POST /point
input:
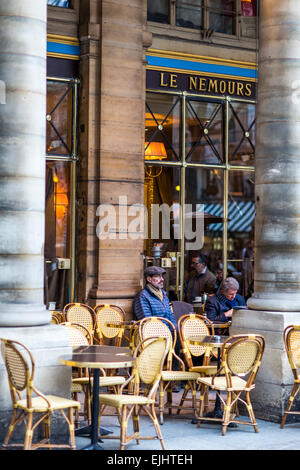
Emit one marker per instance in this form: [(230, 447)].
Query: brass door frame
[(72, 158), (183, 164)]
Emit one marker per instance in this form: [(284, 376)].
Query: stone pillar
[(276, 299), (122, 107), (22, 166), (23, 316)]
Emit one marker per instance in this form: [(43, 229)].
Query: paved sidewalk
[(181, 434)]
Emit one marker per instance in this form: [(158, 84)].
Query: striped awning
[(240, 214)]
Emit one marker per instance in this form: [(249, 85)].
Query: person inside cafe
[(201, 281), (153, 299), (219, 278), (219, 307)]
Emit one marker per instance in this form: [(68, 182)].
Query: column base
[(274, 380), (47, 344), (23, 315)]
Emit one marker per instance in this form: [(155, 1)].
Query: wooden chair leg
[(226, 414), (161, 395), (28, 432), (203, 391), (290, 403), (185, 392), (136, 422), (250, 411), (71, 428), (10, 430), (152, 415), (123, 433), (47, 428)]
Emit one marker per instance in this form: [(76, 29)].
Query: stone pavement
[(180, 434)]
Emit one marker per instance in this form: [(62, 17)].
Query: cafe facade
[(146, 105)]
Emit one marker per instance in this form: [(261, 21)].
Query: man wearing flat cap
[(153, 300)]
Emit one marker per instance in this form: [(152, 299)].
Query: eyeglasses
[(194, 263)]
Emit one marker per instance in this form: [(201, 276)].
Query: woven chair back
[(241, 356), (150, 355), (77, 335), (16, 365), (54, 320), (191, 325), (106, 314), (293, 345), (80, 313)]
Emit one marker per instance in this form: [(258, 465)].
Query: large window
[(199, 166), (233, 17)]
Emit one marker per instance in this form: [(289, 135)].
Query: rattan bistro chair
[(81, 314), (20, 368), (291, 337), (191, 325), (240, 360), (154, 326), (105, 315), (150, 356)]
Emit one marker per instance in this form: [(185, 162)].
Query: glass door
[(61, 157)]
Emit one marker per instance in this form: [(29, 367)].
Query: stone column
[(22, 166), (23, 316), (276, 300), (122, 107)]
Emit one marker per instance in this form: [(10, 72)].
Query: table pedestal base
[(86, 431), (92, 447)]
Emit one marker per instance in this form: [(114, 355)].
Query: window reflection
[(59, 118), (241, 214), (57, 231), (221, 16), (162, 127), (189, 14), (204, 132), (241, 133), (59, 3), (158, 10), (162, 192)]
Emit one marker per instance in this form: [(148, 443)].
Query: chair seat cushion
[(207, 370), (39, 405), (167, 375), (238, 383), (119, 400), (103, 382)]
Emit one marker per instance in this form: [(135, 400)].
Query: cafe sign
[(201, 77)]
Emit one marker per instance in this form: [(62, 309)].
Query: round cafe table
[(96, 358)]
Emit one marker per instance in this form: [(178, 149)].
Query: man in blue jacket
[(153, 300), (219, 307)]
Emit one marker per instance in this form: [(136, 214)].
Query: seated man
[(219, 307), (153, 300), (202, 281)]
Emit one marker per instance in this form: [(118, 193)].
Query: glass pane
[(162, 127), (57, 230), (204, 195), (59, 3), (189, 14), (241, 133), (59, 118), (241, 213), (204, 132), (221, 16), (158, 10), (162, 245)]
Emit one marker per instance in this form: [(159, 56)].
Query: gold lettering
[(248, 87), (193, 83), (162, 79), (240, 89), (222, 86), (231, 88), (173, 79), (202, 84), (213, 85)]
